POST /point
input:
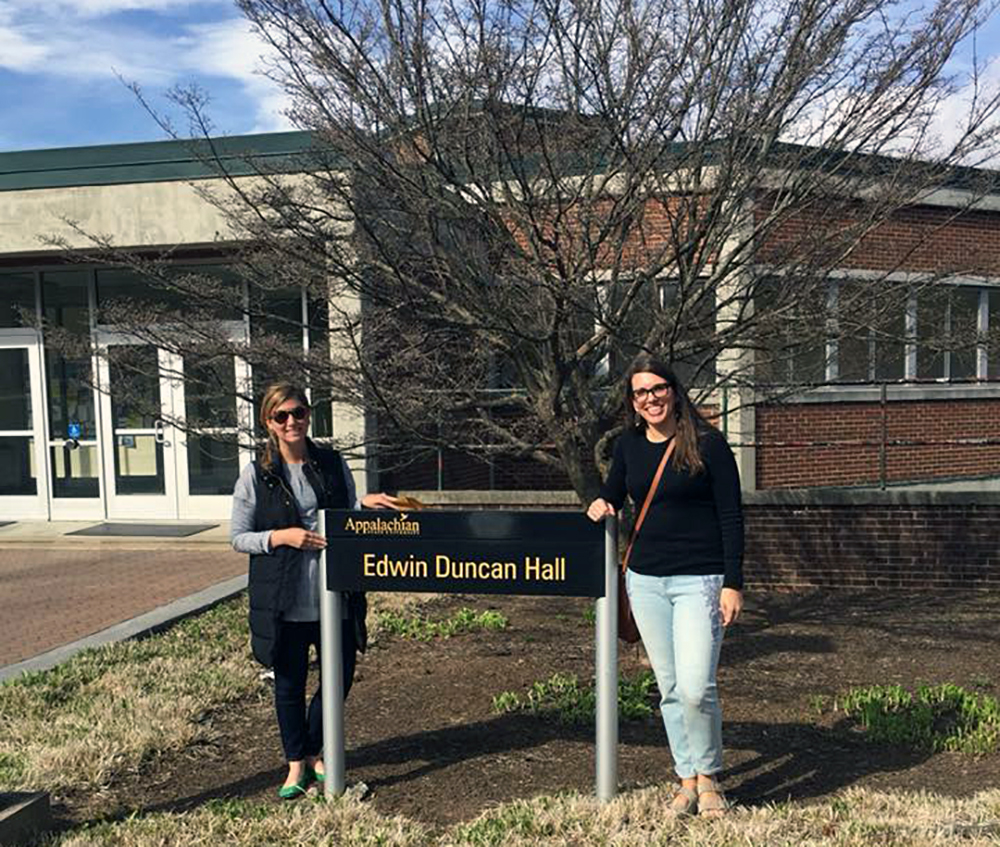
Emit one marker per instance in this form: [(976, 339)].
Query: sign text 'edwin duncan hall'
[(465, 552)]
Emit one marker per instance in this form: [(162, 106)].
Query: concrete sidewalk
[(60, 594)]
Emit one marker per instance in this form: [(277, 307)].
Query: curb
[(137, 627)]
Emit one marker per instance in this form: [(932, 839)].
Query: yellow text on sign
[(444, 567)]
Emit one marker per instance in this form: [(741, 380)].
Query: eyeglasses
[(299, 413), (658, 391)]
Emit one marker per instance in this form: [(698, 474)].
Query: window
[(17, 299), (868, 321), (17, 474), (210, 407), (791, 333), (993, 334), (948, 335), (199, 292), (871, 331), (674, 324), (212, 291), (121, 290), (320, 366), (963, 332)]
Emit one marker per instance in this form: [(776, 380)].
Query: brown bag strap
[(649, 499)]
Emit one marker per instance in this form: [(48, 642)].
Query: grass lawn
[(120, 708)]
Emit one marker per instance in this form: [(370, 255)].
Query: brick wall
[(918, 238), (923, 420), (945, 540), (834, 539), (657, 227)]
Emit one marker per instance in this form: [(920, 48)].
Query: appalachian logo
[(399, 525)]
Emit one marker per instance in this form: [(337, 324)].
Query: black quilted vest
[(272, 579)]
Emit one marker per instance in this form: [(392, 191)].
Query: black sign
[(465, 552)]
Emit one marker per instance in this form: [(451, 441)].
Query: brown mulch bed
[(422, 734)]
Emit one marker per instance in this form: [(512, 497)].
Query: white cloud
[(231, 50), (222, 48), (103, 8), (84, 40), (18, 53), (951, 119)]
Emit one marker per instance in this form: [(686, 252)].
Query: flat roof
[(156, 161)]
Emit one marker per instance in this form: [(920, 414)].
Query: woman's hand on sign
[(600, 509), (297, 537), (730, 604), (381, 501)]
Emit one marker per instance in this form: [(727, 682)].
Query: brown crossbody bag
[(627, 629)]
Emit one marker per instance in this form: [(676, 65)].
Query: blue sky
[(60, 62)]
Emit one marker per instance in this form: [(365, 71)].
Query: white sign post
[(331, 616)]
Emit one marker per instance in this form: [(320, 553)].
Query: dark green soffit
[(161, 161)]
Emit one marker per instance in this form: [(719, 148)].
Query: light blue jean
[(681, 628)]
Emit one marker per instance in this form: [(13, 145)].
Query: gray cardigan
[(246, 539)]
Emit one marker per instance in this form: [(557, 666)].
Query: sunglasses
[(299, 413)]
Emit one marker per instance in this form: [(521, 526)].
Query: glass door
[(140, 455), (73, 431), (210, 455), (22, 456), (171, 425)]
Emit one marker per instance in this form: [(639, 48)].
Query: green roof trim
[(158, 161)]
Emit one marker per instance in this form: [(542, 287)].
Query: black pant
[(302, 729)]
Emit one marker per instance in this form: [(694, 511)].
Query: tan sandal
[(674, 810), (711, 807)]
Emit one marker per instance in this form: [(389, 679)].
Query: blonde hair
[(274, 395)]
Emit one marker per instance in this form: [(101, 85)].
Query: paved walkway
[(56, 590)]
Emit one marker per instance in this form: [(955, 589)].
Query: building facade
[(888, 414), (70, 451)]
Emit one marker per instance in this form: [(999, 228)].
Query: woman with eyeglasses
[(684, 575), (275, 516)]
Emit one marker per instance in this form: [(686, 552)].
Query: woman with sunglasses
[(275, 507), (684, 576)]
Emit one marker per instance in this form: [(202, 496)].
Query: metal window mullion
[(603, 367), (831, 363), (982, 331), (872, 368), (105, 450), (45, 470), (910, 331), (947, 334)]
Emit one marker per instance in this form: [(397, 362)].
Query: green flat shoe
[(290, 792), (315, 775)]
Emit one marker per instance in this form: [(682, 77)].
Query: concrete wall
[(151, 214)]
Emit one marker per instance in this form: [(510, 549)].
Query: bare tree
[(507, 201)]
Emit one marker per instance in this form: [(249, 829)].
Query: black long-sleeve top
[(695, 521)]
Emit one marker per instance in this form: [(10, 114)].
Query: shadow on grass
[(788, 761), (797, 761)]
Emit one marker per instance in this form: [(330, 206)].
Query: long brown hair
[(274, 395), (691, 425)]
